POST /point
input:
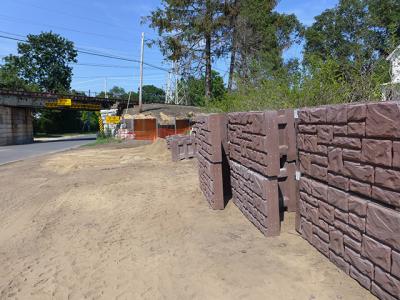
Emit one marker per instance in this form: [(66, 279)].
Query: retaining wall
[(15, 126), (349, 207), (181, 146), (210, 139), (262, 154)]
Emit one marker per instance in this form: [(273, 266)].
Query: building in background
[(391, 90)]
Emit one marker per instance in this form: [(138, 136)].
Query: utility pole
[(105, 87), (141, 73)]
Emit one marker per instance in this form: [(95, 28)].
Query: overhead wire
[(97, 54)]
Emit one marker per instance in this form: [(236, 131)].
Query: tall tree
[(191, 33), (258, 35), (44, 60), (357, 34)]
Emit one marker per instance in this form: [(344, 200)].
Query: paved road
[(20, 152)]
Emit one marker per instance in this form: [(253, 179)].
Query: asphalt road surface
[(20, 152)]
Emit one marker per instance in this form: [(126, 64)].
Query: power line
[(10, 19), (96, 54)]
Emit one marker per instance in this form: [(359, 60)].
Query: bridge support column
[(16, 125)]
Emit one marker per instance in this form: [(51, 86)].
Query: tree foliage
[(44, 61)]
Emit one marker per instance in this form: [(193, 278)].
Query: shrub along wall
[(349, 206)]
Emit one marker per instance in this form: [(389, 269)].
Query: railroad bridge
[(16, 125)]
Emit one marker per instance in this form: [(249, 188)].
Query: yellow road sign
[(113, 119), (64, 102)]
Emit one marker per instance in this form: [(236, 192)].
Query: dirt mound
[(158, 150)]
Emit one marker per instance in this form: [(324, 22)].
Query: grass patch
[(103, 141)]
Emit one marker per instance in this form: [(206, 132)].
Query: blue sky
[(112, 27)]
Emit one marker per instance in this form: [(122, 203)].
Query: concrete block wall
[(262, 155), (210, 138), (181, 146), (16, 126), (349, 206)]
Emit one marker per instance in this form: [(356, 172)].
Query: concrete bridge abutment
[(16, 125)]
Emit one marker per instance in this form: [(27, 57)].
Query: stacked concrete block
[(262, 152), (288, 187), (349, 206), (15, 126), (210, 140), (181, 146)]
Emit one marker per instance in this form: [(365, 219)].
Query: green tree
[(195, 89), (152, 94), (191, 34), (258, 36), (44, 60), (356, 35)]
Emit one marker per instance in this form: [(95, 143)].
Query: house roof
[(391, 55)]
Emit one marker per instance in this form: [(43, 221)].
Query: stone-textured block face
[(210, 143), (356, 223), (181, 146), (262, 154), (256, 196)]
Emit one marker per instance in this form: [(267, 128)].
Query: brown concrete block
[(338, 198), (338, 181), (357, 222), (324, 134), (317, 115), (357, 112), (318, 190), (377, 152), (306, 229), (321, 234), (326, 212), (376, 252), (396, 155), (319, 160), (287, 133), (340, 130), (356, 129), (387, 282), (339, 262), (304, 115), (362, 279), (320, 244), (353, 244), (336, 242), (336, 114), (353, 233), (351, 154), (362, 264), (318, 172), (383, 120), (380, 293), (359, 172), (395, 264), (357, 205), (308, 129), (347, 142), (335, 159), (288, 187), (385, 196), (342, 216), (360, 188), (384, 224), (387, 178)]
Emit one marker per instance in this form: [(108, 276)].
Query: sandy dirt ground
[(126, 223)]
